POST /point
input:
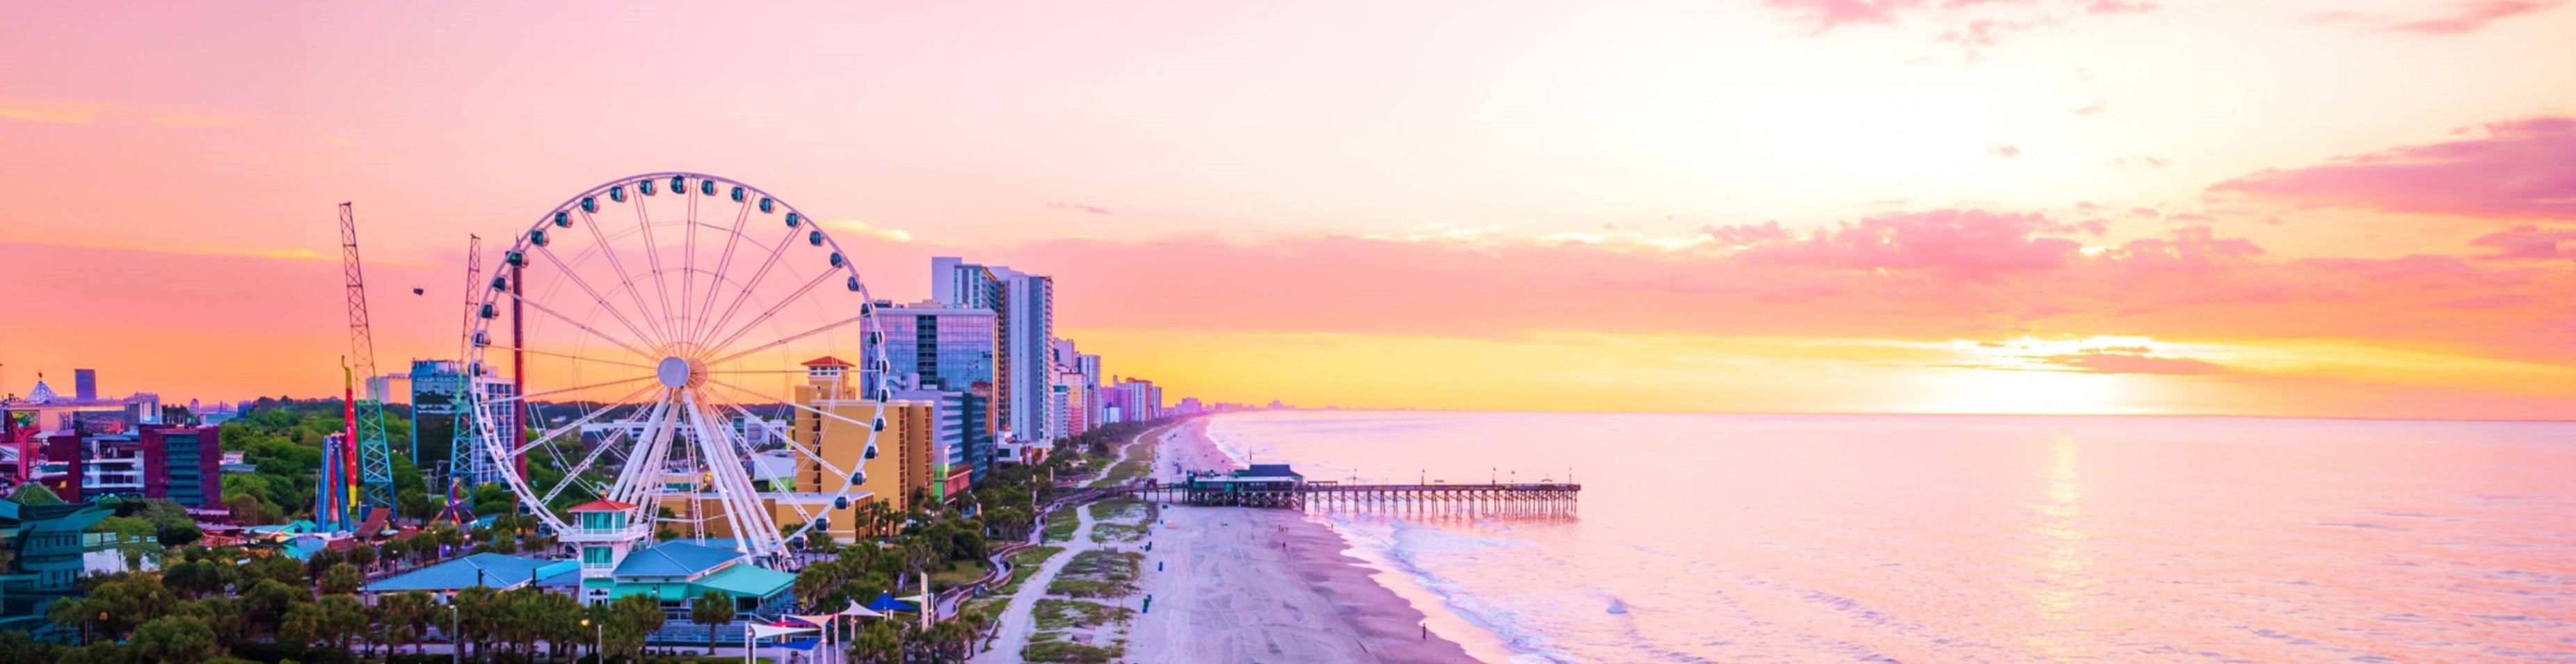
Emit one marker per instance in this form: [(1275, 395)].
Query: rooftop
[(675, 559), (485, 569)]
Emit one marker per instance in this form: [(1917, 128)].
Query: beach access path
[(1018, 619)]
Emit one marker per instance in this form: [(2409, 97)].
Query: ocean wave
[(1404, 545)]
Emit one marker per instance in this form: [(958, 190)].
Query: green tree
[(267, 603), (712, 609), (878, 643), (478, 617), (630, 619), (222, 614), (72, 612), (196, 578), (342, 579), (130, 599), (403, 619), (175, 640)]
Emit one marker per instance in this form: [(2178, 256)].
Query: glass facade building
[(932, 346)]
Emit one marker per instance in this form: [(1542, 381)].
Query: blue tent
[(886, 602)]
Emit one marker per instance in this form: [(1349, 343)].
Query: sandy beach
[(1257, 585)]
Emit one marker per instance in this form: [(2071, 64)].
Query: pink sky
[(2327, 208)]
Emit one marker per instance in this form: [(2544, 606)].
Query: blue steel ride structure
[(657, 324), (367, 424)]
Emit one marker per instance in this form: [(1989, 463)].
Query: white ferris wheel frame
[(678, 392)]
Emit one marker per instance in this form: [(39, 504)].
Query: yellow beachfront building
[(903, 463), (905, 444)]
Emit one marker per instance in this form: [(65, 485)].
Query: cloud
[(2519, 169), (2121, 7), (50, 112), (864, 230), (1970, 274), (2005, 150), (2474, 15), (85, 112), (1080, 207), (2528, 243), (2091, 109), (1825, 15), (1971, 244), (2125, 363), (1745, 235)]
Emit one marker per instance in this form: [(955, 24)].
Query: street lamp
[(455, 632), (599, 634)]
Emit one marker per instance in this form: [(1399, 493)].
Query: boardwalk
[(1526, 497)]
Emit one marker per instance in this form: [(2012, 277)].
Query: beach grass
[(1057, 614), (1120, 509), (1050, 647), (1098, 574), (1106, 533), (960, 572), (1060, 525), (1024, 564)]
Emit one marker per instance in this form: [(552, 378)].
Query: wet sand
[(1264, 585)]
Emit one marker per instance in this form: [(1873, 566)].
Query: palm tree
[(404, 618), (711, 609)]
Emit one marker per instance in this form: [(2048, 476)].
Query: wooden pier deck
[(1436, 498)]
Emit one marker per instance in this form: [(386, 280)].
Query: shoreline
[(1243, 583)]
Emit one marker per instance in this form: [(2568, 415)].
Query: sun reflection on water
[(2064, 562)]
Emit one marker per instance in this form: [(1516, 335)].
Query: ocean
[(1797, 538)]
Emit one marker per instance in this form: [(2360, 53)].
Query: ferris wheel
[(644, 342)]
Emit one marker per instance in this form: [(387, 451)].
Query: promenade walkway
[(1017, 622)]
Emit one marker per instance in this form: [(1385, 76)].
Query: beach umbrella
[(760, 631), (824, 621), (887, 602)]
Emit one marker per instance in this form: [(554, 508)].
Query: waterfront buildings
[(1024, 306), (175, 463), (904, 438), (949, 471), (941, 347)]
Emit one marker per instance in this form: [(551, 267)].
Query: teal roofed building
[(40, 557), (676, 572), (616, 557), (493, 570)]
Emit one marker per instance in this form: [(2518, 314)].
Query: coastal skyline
[(2299, 209)]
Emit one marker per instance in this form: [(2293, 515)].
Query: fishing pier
[(1275, 486)]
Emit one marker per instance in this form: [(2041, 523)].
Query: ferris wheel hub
[(677, 372)]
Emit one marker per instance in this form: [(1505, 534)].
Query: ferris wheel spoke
[(549, 436), (627, 279), (800, 448), (640, 473), (653, 259), (789, 338), (753, 530), (584, 284), (585, 328), (871, 428), (532, 395), (805, 518), (723, 263), (568, 356), (747, 287), (572, 475), (774, 309)]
